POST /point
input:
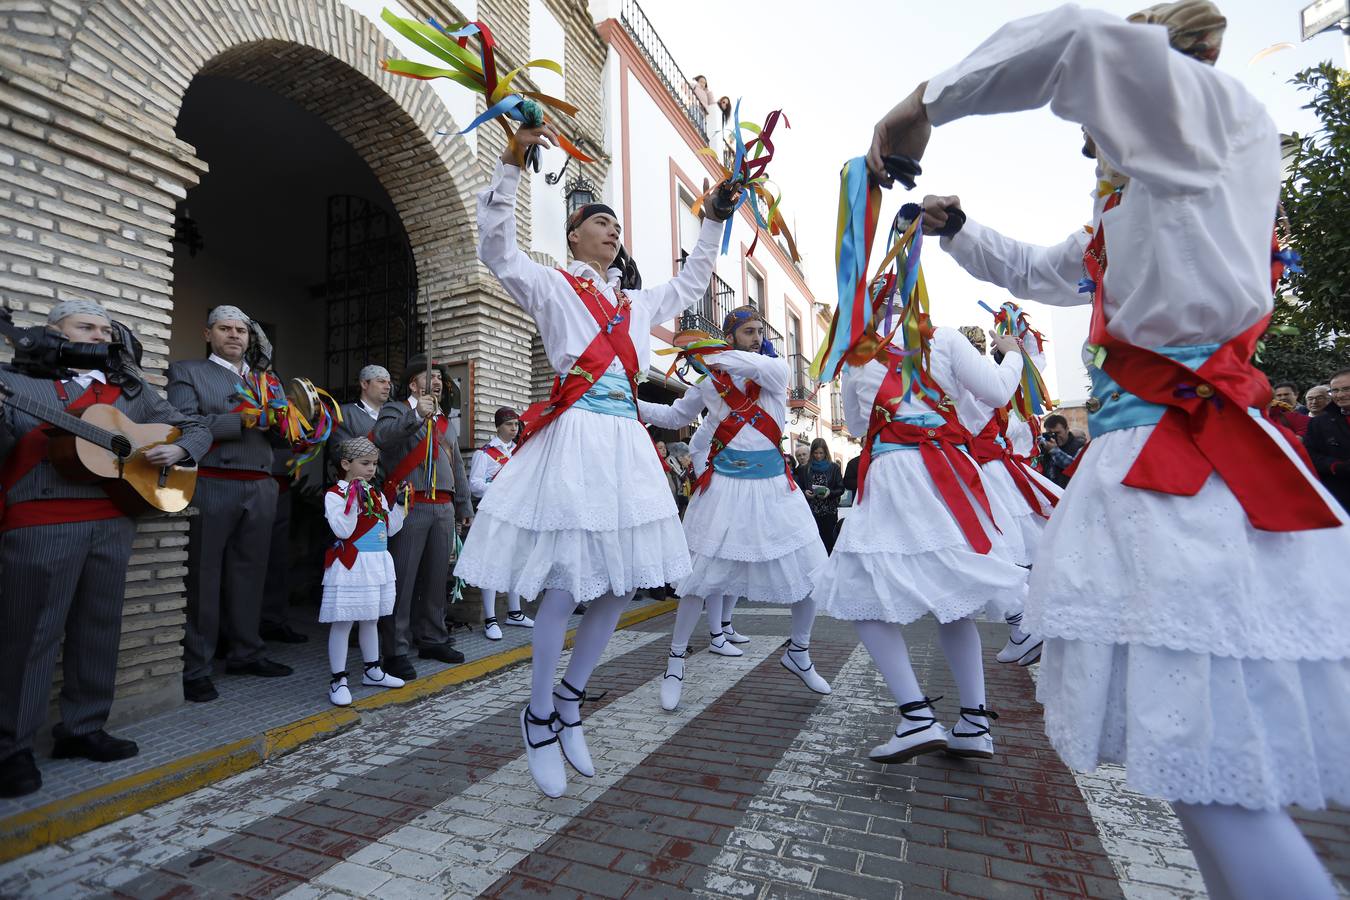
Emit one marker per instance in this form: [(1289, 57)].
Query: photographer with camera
[(64, 545), (1059, 448)]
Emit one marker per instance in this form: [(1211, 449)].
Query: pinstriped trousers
[(66, 579)]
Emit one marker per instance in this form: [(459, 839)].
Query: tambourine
[(310, 415), (304, 397)]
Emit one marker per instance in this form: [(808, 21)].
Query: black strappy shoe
[(573, 741), (972, 740)]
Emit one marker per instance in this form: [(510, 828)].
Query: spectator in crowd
[(703, 102), (679, 474), (1284, 409), (1328, 440), (823, 485), (802, 453), (1317, 399), (851, 475), (662, 452), (1059, 448)]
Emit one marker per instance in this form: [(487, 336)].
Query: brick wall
[(91, 172)]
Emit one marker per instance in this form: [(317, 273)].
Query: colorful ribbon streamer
[(689, 350), (478, 73), (261, 395), (859, 207), (749, 171), (307, 439), (1031, 398)]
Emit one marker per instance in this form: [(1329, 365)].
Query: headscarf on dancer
[(630, 279), (740, 316)]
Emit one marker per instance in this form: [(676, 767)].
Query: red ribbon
[(986, 449)]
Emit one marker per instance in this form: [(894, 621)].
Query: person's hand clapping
[(904, 131), (527, 136), (1004, 343)]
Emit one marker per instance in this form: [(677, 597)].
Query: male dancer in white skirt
[(583, 512), (921, 538), (1026, 496), (1171, 643), (486, 464), (749, 528)]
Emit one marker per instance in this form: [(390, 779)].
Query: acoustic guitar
[(104, 446)]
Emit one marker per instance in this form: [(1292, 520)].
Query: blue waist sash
[(1111, 407), (376, 540), (921, 420), (749, 463), (611, 395)]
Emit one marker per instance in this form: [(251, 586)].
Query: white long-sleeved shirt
[(955, 365), (343, 522), (564, 324), (483, 468), (1189, 246), (975, 412), (770, 373)]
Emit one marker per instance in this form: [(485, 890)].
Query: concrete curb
[(72, 816)]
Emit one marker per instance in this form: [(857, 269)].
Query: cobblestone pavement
[(755, 787)]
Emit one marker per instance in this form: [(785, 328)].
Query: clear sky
[(835, 68)]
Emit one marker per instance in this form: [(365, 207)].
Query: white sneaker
[(491, 630), (338, 692), (733, 635), (797, 660), (570, 735), (519, 619), (970, 737), (543, 756), (722, 647), (374, 676), (673, 684), (918, 733)]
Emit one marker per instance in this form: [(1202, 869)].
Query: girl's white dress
[(365, 591), (584, 505), (748, 537), (1209, 657), (901, 554)]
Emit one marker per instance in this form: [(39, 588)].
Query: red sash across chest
[(344, 550), (986, 449), (30, 450), (612, 341), (415, 458), (1207, 428), (745, 410), (496, 455), (953, 472)]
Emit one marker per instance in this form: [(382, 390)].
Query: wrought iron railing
[(663, 64), (800, 387), (711, 309)]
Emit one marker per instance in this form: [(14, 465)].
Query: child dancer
[(358, 578), (487, 462)]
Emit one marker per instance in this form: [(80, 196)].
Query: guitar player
[(64, 548)]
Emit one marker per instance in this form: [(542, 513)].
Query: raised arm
[(1027, 271), (1158, 116), (396, 423), (526, 281), (769, 372), (993, 385), (674, 415), (665, 301)]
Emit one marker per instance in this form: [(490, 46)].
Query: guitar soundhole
[(121, 446)]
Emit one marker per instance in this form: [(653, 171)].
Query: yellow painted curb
[(72, 816)]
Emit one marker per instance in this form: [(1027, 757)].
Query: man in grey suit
[(236, 501), (358, 418), (405, 432), (64, 549)]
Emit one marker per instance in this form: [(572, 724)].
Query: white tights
[(719, 611), (490, 603), (1251, 854), (550, 629), (960, 642), (367, 634)]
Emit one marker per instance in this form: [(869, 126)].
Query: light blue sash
[(749, 463), (611, 395), (921, 420), (1111, 407), (376, 540)]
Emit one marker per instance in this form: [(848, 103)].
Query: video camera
[(40, 352)]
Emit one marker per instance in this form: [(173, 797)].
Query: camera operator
[(64, 548), (1059, 447)]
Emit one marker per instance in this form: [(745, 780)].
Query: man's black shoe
[(97, 745), (19, 774), (264, 668), (199, 690), (283, 634), (443, 652), (400, 667)]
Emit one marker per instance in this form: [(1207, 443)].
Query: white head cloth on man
[(67, 308), (372, 371), (227, 313)]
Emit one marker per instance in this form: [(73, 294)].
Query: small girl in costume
[(358, 578)]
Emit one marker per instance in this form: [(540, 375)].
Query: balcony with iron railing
[(711, 309), (635, 22), (801, 389), (837, 424)]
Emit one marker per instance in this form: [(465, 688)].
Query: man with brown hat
[(412, 436), (1167, 649), (487, 462)]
